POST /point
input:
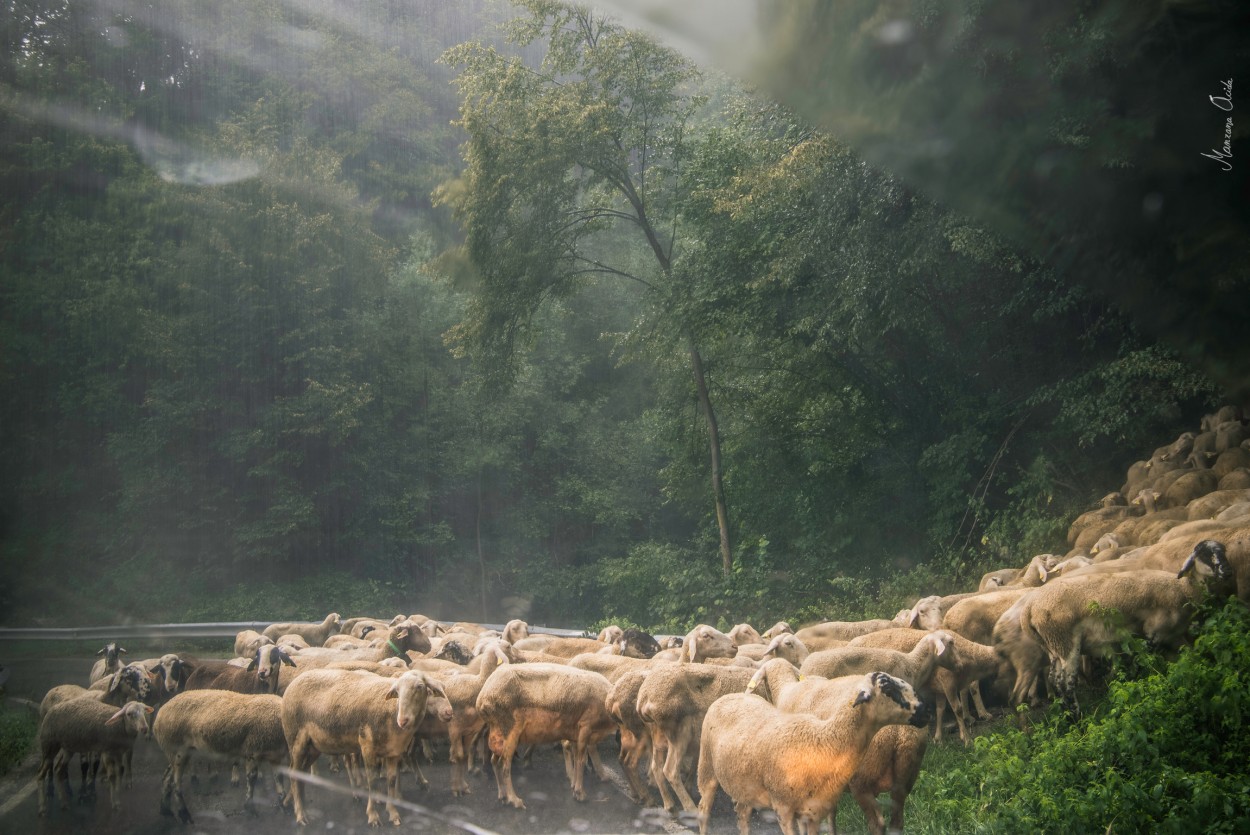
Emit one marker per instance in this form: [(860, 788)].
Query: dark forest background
[(296, 316)]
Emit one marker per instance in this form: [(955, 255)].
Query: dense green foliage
[(1164, 752), (252, 370)]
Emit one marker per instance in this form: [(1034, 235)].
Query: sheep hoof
[(185, 816)]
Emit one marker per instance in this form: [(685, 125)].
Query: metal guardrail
[(166, 631)]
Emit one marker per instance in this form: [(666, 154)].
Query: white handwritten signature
[(1224, 153)]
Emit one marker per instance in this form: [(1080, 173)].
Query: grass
[(17, 734)]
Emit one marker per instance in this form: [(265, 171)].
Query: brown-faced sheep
[(539, 703), (344, 713), (222, 724), (794, 763)]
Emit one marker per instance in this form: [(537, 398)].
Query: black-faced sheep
[(794, 763)]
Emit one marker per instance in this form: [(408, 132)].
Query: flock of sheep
[(783, 719)]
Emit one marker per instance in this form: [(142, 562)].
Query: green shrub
[(17, 733), (1163, 753)]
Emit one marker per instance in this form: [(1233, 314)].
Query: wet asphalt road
[(217, 807)]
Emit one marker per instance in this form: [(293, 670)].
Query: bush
[(17, 734), (1163, 753)]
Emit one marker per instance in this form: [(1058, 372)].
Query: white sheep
[(672, 701), (796, 764), (540, 703), (314, 633), (820, 635), (85, 726), (704, 642), (343, 713), (915, 667), (622, 705), (222, 724), (248, 641), (466, 724)]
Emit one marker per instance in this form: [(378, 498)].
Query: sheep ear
[(115, 681), (863, 696), (101, 652), (286, 659), (393, 693), (402, 633), (116, 717), (755, 680), (1189, 564), (914, 620), (122, 651), (251, 665), (435, 687), (148, 709), (941, 645)]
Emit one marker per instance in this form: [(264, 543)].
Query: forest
[(486, 309)]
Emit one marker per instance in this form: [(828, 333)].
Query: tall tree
[(592, 139)]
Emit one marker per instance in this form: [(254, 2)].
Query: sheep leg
[(579, 763), (502, 763), (61, 776), (707, 796), (872, 810), (957, 707), (596, 763), (113, 773), (45, 779), (251, 772), (632, 750), (368, 766), (392, 789), (659, 752), (234, 773), (303, 755), (977, 703), (743, 811), (460, 751), (171, 791), (673, 762)]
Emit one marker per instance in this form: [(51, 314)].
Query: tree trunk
[(713, 435)]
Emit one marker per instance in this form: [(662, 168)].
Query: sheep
[(610, 634), (818, 636), (635, 643), (85, 726), (916, 667), (795, 763), (891, 763), (399, 641), (515, 630), (973, 662), (705, 642), (261, 675), (975, 617), (1229, 435), (248, 641), (538, 703), (109, 664), (466, 723), (293, 642), (342, 713), (564, 647), (314, 633), (996, 579), (169, 673), (1190, 485), (785, 645), (610, 667), (453, 651), (1230, 460), (672, 701), (1150, 603), (1094, 523), (219, 723), (1211, 504), (928, 612), (622, 706), (1238, 479), (743, 634), (1019, 652), (778, 628)]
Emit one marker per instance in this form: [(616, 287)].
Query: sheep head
[(134, 680), (412, 690), (611, 634), (894, 699), (1208, 560), (635, 643), (788, 647), (781, 627), (135, 715)]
